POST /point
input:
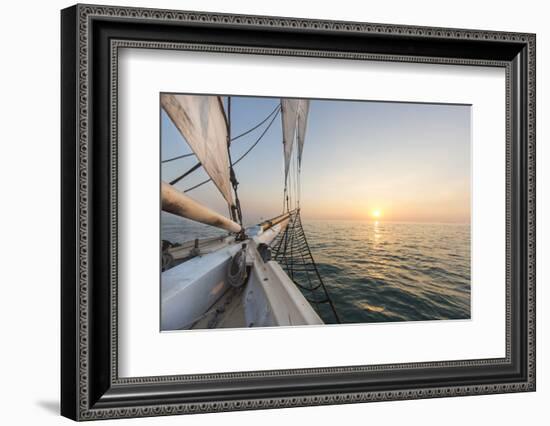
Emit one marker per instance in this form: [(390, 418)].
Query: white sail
[(302, 113), (201, 120), (289, 108), (295, 113)]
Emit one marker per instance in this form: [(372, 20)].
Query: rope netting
[(291, 250)]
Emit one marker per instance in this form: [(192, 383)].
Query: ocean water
[(380, 271)]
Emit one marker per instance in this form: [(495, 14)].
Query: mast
[(236, 212), (232, 207)]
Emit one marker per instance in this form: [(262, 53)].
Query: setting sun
[(376, 213)]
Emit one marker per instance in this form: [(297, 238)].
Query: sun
[(376, 213)]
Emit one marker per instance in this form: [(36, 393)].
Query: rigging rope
[(188, 172), (242, 156), (292, 251), (191, 154), (257, 125)]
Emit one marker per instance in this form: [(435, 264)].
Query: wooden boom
[(177, 203), (267, 224)]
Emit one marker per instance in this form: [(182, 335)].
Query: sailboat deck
[(227, 312)]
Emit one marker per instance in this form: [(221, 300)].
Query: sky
[(362, 160)]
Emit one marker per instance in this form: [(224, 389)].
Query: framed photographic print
[(263, 212)]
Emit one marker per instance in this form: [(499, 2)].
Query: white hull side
[(189, 289), (270, 298)]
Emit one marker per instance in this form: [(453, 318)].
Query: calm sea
[(379, 272)]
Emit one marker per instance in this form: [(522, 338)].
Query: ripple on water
[(393, 272)]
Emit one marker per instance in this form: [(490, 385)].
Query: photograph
[(280, 211)]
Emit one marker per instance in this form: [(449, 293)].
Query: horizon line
[(456, 222)]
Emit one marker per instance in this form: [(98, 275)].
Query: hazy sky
[(409, 162)]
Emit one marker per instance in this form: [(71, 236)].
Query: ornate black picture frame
[(91, 36)]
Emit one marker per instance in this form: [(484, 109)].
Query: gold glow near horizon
[(410, 201), (376, 213)]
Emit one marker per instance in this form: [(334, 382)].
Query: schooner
[(256, 276)]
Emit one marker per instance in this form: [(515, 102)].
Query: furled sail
[(289, 108), (302, 112), (295, 113), (201, 120)]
